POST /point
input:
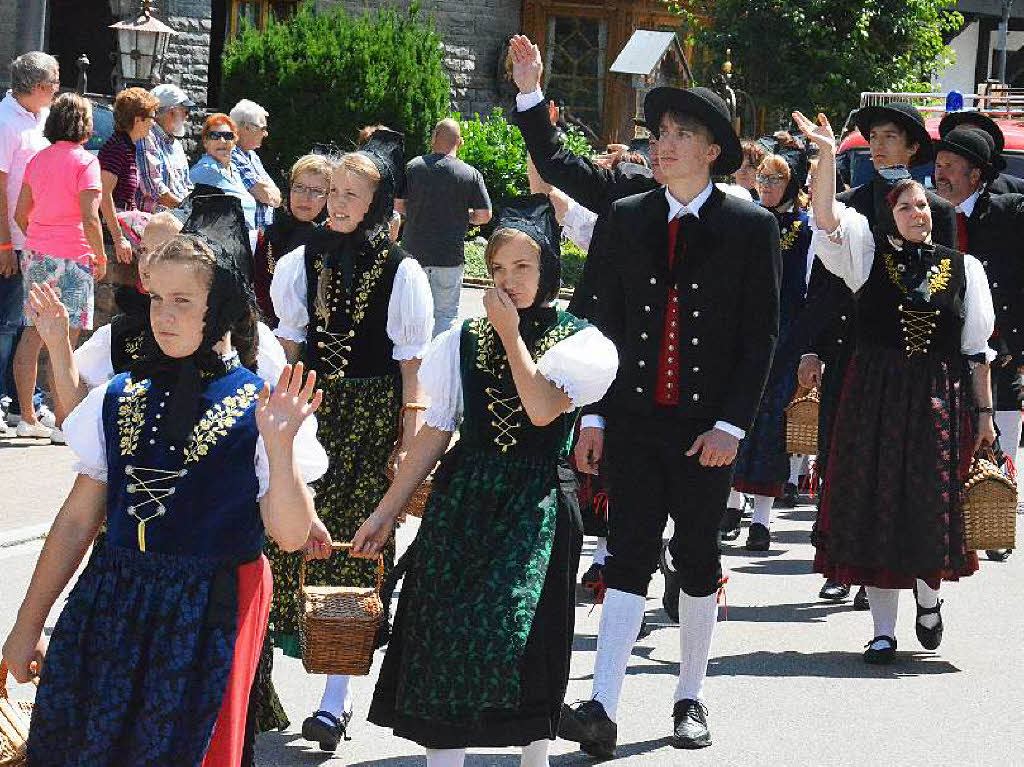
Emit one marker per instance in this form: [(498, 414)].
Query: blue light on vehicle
[(954, 101)]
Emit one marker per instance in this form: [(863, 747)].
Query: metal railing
[(1005, 102)]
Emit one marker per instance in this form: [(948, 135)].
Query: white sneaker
[(38, 430), (57, 437), (46, 417)]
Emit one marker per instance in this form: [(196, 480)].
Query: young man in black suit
[(687, 287)]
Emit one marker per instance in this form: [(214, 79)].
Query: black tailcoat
[(1004, 184), (728, 302)]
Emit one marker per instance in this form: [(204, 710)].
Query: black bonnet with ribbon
[(386, 149), (534, 217), (216, 226)]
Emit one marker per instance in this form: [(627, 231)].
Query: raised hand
[(821, 134), (527, 65), (280, 413), (48, 315)]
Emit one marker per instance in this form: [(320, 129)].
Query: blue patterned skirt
[(138, 663)]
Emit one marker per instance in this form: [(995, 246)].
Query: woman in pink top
[(58, 209)]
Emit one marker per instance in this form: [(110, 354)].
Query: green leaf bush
[(325, 74)]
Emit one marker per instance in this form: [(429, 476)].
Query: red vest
[(667, 389)]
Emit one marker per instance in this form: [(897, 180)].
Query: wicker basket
[(14, 721), (990, 506), (802, 424), (418, 502), (338, 630)]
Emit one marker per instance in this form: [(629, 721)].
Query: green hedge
[(573, 260), (495, 147), (325, 74)]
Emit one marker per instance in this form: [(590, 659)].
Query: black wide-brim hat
[(906, 117), (706, 106), (972, 145)]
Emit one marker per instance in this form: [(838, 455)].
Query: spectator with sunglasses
[(217, 173), (134, 116), (309, 183)]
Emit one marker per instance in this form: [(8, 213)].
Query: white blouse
[(583, 366), (410, 309), (83, 429), (849, 253), (578, 226), (95, 366)]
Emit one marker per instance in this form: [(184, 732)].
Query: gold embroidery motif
[(133, 345), (131, 412), (790, 235), (216, 421), (938, 276)]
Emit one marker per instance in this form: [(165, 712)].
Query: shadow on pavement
[(836, 665), (766, 566), (475, 759), (795, 612)]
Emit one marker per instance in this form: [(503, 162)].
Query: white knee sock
[(927, 597), (697, 619), (1009, 424), (762, 510), (535, 754), (735, 500), (446, 757), (337, 696), (884, 606), (795, 462), (601, 551), (621, 616)]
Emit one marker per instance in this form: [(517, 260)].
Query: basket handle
[(344, 547), (4, 671)]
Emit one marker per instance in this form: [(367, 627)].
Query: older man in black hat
[(688, 289), (989, 226), (1002, 183)]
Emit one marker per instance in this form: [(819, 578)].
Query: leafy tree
[(818, 55), (325, 74)]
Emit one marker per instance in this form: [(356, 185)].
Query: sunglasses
[(223, 135)]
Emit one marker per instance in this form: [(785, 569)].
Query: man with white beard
[(163, 166)]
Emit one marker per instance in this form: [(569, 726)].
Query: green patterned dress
[(480, 650)]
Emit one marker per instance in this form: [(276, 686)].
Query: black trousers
[(651, 478)]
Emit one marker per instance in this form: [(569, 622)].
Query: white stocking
[(337, 696), (535, 754), (446, 757), (621, 616), (735, 500), (600, 551), (697, 619), (884, 606), (795, 463), (927, 597), (762, 510)]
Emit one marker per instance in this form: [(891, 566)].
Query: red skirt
[(255, 589), (902, 443)]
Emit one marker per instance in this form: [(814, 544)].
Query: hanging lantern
[(141, 46)]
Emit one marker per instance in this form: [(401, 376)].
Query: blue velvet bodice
[(199, 498)]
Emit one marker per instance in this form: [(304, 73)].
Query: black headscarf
[(799, 166), (534, 217), (214, 227), (386, 149)]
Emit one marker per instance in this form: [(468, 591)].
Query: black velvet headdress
[(534, 217), (386, 148), (798, 162)]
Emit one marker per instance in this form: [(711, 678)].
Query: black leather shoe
[(758, 538), (834, 591), (998, 555), (882, 656), (690, 724), (790, 497), (860, 602), (589, 725), (730, 527), (328, 734), (930, 638)]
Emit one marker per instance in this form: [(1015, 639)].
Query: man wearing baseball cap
[(163, 166)]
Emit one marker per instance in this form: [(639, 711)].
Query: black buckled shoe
[(998, 555), (327, 733), (930, 638), (758, 538), (790, 497), (860, 602), (834, 591), (589, 725), (690, 724), (882, 655), (730, 526)]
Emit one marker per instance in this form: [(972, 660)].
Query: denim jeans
[(446, 288), (12, 316)]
